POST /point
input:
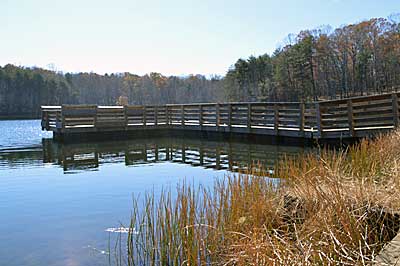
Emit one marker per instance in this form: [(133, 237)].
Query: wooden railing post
[(126, 116), (156, 157), (182, 115), (229, 117), (155, 115), (167, 154), (201, 155), (249, 117), (201, 116), (95, 118), (144, 151), (301, 118), (58, 118), (350, 117), (62, 118), (318, 119), (230, 157), (45, 120), (166, 115), (217, 116), (217, 158), (48, 120), (183, 153), (395, 106), (276, 118), (144, 116)]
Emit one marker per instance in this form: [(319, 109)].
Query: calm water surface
[(56, 201)]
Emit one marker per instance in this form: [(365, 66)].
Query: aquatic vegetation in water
[(330, 208)]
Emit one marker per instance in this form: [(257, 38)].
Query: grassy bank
[(334, 207)]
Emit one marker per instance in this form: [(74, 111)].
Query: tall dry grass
[(329, 208)]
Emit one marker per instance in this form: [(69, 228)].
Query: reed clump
[(329, 208)]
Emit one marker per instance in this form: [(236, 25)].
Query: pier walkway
[(356, 117)]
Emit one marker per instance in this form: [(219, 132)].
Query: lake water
[(56, 201)]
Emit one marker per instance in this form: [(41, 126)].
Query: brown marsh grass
[(330, 208)]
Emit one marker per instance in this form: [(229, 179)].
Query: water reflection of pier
[(208, 154)]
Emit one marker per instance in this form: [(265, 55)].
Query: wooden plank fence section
[(353, 117)]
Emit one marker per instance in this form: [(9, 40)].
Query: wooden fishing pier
[(356, 117)]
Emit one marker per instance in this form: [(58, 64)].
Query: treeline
[(357, 59), (24, 90)]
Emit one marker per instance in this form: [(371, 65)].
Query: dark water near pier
[(56, 201)]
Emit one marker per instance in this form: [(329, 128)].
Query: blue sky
[(173, 37)]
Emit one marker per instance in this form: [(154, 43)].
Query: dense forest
[(357, 59), (23, 90)]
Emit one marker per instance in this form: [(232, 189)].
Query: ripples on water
[(23, 144), (21, 133), (19, 140), (50, 218)]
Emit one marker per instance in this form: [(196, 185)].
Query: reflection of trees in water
[(209, 154)]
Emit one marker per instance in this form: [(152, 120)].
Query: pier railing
[(353, 117)]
